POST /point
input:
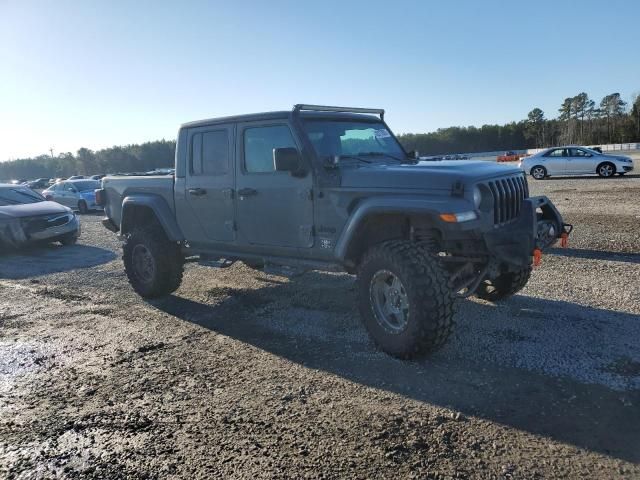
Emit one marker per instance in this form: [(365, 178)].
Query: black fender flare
[(160, 208), (428, 208)]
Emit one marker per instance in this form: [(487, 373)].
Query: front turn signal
[(458, 217)]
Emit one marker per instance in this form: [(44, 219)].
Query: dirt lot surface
[(245, 375)]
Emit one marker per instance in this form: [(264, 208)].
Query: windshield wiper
[(354, 157), (383, 154)]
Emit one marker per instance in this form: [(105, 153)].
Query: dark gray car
[(26, 217), (331, 188)]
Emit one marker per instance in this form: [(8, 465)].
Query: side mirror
[(286, 159), (414, 154)]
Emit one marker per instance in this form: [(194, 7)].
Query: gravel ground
[(245, 375)]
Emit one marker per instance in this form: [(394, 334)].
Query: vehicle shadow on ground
[(329, 337), (595, 254), (37, 261), (626, 176)]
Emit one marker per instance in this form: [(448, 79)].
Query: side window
[(259, 143), (558, 152), (210, 153), (576, 152)]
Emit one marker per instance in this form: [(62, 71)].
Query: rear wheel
[(405, 300), (504, 286), (606, 169), (153, 264), (538, 172)]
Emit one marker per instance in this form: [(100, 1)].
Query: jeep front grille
[(508, 194)]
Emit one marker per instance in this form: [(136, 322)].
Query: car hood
[(613, 157), (32, 210), (437, 175)]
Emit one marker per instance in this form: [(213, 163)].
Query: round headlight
[(477, 197)]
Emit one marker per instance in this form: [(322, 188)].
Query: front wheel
[(153, 264), (82, 207), (405, 299), (606, 170), (503, 286)]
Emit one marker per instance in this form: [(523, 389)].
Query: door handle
[(246, 192), (197, 192)]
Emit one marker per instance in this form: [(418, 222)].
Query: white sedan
[(574, 161)]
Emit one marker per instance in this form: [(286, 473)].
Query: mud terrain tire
[(422, 287), (504, 286), (153, 264)]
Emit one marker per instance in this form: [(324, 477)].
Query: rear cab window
[(209, 153)]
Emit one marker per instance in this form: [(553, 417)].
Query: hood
[(32, 210), (88, 194), (615, 157), (438, 175)]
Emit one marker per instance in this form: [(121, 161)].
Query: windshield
[(18, 196), (592, 152), (87, 186), (332, 138)]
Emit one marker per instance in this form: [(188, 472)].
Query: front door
[(209, 184), (274, 208), (66, 195), (580, 161)]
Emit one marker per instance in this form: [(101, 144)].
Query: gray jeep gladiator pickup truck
[(331, 188)]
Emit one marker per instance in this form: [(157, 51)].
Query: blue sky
[(96, 74)]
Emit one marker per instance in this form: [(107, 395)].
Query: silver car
[(26, 217), (574, 161), (76, 194)]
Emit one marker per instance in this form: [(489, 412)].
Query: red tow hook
[(537, 257), (564, 239)]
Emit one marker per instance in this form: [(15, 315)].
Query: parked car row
[(40, 183)]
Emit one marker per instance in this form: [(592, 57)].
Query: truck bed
[(117, 188)]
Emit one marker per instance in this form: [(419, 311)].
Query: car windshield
[(592, 152), (87, 186), (18, 196), (331, 138)]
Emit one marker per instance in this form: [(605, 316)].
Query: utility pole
[(51, 150)]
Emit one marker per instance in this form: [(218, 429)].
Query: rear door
[(209, 185), (555, 161), (275, 209)]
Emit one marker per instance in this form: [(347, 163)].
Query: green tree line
[(130, 158), (580, 120)]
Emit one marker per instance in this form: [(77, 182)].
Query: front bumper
[(20, 232), (539, 226), (510, 245)]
